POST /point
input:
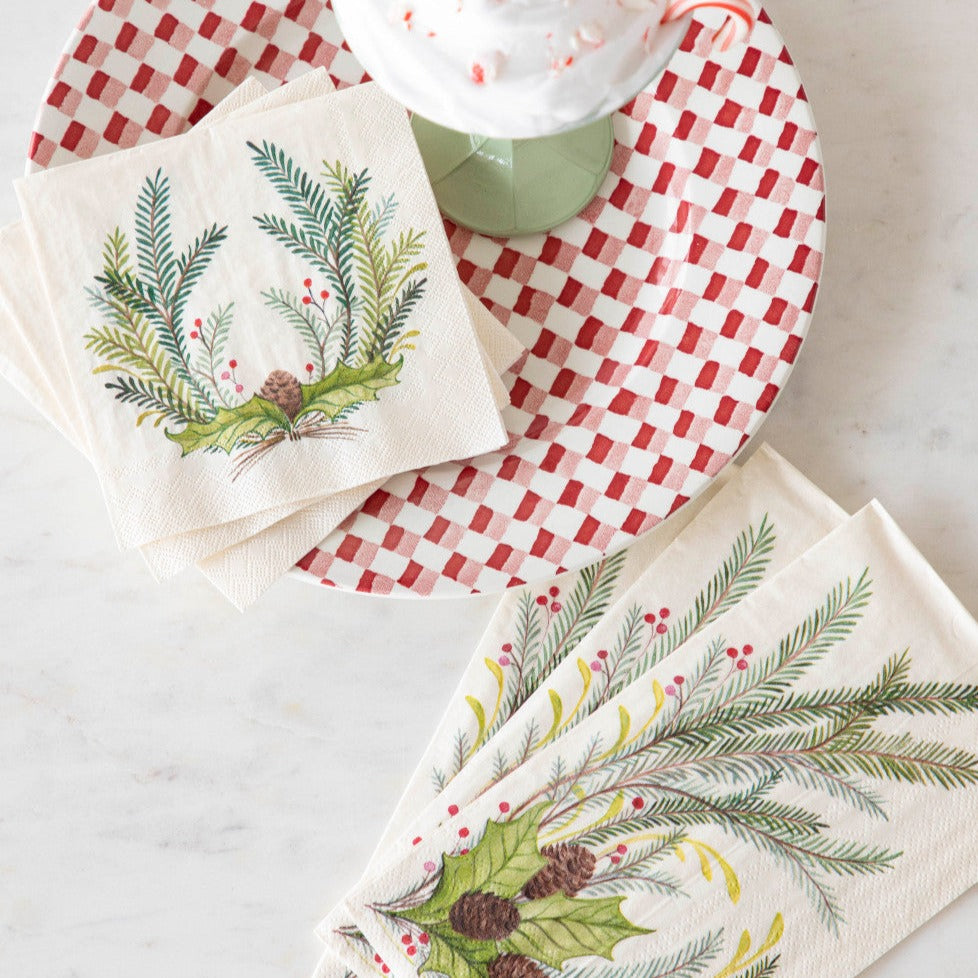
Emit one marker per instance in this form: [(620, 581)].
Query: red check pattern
[(661, 324)]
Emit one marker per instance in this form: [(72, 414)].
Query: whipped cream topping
[(510, 68)]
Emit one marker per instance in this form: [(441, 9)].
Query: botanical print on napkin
[(745, 820), (174, 373), (763, 518), (208, 336), (241, 558), (546, 622), (547, 678)]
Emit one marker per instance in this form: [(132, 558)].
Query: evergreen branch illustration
[(316, 336), (152, 399), (154, 239), (584, 606), (160, 291), (213, 335), (738, 575), (690, 961), (307, 199), (130, 343), (396, 319), (298, 242)]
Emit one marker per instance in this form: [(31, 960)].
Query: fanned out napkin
[(795, 785), (245, 563), (766, 516), (209, 279)]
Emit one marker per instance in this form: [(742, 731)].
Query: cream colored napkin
[(794, 789), (245, 571), (224, 320)]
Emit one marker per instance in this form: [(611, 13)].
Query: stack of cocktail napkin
[(248, 328), (744, 748)]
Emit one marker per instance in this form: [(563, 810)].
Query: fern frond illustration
[(178, 371)]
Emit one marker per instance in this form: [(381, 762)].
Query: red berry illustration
[(504, 806), (463, 852), (194, 334), (226, 375), (307, 300), (663, 612), (603, 654), (541, 601), (595, 666), (412, 950), (678, 680), (638, 804), (308, 283), (554, 591), (429, 866), (324, 294), (309, 368), (415, 840), (507, 647), (503, 660), (622, 849), (453, 809), (463, 832), (748, 650), (661, 628), (385, 969), (378, 958), (423, 938), (732, 653), (198, 323), (555, 607), (405, 938), (239, 387), (742, 664), (616, 859), (649, 618), (670, 690)]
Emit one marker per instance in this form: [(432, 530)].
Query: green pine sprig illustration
[(178, 372), (645, 637), (376, 284), (717, 746), (546, 629)]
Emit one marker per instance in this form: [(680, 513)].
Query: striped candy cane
[(741, 17)]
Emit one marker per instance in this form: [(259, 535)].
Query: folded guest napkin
[(762, 519), (243, 572), (802, 799), (215, 306)]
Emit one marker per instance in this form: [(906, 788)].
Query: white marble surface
[(184, 790)]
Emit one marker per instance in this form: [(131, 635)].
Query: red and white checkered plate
[(661, 323)]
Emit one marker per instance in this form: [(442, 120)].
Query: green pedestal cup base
[(509, 187)]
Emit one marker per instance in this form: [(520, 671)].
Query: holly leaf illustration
[(557, 928), (457, 956), (254, 420), (346, 386), (501, 862)]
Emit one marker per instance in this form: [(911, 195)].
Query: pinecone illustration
[(514, 966), (483, 917), (568, 869), (283, 389)]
